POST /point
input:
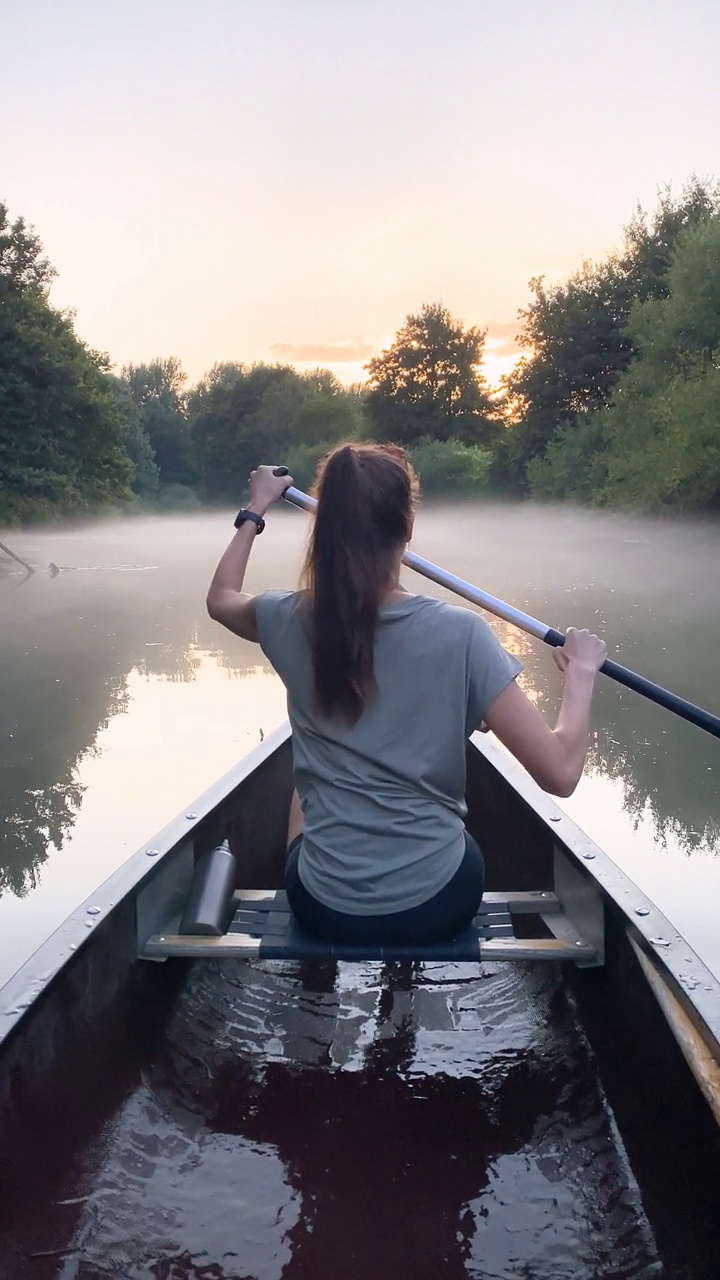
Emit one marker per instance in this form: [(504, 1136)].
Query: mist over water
[(121, 700)]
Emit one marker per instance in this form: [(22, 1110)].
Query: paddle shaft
[(525, 622)]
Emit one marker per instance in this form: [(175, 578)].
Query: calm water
[(121, 700), (368, 1121)]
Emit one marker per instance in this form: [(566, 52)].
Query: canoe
[(101, 998)]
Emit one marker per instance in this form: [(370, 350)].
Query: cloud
[(503, 337), (503, 328), (324, 351)]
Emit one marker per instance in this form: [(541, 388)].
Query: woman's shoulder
[(456, 622), (279, 615), (278, 603), (457, 616), (273, 595)]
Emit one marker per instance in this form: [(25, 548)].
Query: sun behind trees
[(615, 402)]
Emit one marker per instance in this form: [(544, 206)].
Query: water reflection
[(89, 647), (664, 767)]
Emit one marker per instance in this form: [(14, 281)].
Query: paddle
[(525, 622)]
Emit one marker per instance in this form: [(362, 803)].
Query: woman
[(384, 688)]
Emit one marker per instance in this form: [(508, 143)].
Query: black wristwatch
[(244, 515)]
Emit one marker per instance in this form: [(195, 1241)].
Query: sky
[(286, 180)]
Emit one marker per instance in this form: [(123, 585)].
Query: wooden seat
[(263, 927)]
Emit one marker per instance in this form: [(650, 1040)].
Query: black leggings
[(443, 916)]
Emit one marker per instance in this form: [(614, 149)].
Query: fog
[(121, 700)]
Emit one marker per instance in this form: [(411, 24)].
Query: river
[(121, 700)]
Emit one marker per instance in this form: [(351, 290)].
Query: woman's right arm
[(555, 758)]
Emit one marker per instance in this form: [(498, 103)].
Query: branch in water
[(19, 559)]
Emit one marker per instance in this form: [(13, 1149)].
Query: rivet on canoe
[(588, 856), (152, 853), (579, 942), (88, 924), (555, 817), (93, 911), (190, 816), (660, 942), (642, 911)]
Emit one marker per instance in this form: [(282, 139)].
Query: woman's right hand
[(266, 487), (581, 648)]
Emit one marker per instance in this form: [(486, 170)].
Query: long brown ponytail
[(365, 497)]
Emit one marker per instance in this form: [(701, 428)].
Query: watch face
[(252, 517)]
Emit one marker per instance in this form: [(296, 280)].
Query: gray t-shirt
[(384, 799)]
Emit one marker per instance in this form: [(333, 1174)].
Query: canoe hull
[(87, 980)]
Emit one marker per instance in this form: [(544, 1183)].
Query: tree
[(62, 431), (22, 266), (225, 436), (157, 390), (429, 383), (576, 333), (658, 440), (241, 416), (145, 481)]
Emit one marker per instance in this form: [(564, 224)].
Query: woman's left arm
[(226, 601)]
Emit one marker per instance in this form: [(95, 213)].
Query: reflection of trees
[(170, 662), (68, 647), (59, 690), (69, 644), (667, 767)]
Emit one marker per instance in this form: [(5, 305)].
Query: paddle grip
[(555, 638)]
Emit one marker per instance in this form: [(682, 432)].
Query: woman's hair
[(365, 495)]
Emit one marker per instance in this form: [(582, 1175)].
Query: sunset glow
[(237, 182)]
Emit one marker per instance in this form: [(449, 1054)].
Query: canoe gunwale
[(691, 983), (37, 974)]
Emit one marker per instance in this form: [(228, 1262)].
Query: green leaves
[(62, 430), (157, 393), (657, 442), (22, 267), (429, 383), (242, 416)]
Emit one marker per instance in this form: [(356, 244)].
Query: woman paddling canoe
[(384, 688)]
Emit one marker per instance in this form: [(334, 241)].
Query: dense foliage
[(604, 407), (240, 416), (429, 384), (615, 401), (63, 435), (657, 441)]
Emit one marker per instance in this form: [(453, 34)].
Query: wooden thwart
[(263, 928)]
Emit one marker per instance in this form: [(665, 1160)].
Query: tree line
[(615, 401)]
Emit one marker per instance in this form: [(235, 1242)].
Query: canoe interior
[(77, 1054)]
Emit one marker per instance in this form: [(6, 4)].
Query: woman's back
[(383, 691), (383, 796)]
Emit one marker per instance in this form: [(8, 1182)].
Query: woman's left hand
[(266, 488)]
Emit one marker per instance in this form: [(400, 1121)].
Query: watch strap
[(253, 516)]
